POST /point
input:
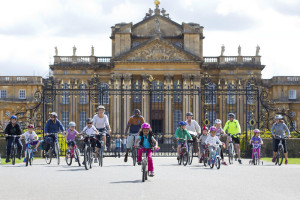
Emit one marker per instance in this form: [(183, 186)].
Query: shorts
[(94, 142), (236, 140), (276, 142), (131, 140), (180, 143), (102, 131)]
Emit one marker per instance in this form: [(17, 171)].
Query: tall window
[(157, 91), (3, 94), (210, 94), (177, 117), (22, 94), (250, 94), (292, 94), (83, 94), (103, 93), (65, 94), (137, 92), (211, 116), (82, 119), (177, 98), (230, 94), (65, 119)]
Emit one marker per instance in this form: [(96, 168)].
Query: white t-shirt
[(212, 140), (194, 128), (100, 122), (31, 136), (90, 131)]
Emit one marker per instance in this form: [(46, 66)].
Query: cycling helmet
[(256, 131), (189, 114), (213, 128), (205, 128), (89, 120), (231, 115), (278, 117), (72, 124), (218, 121), (30, 126), (13, 117), (101, 107), (53, 114), (182, 123), (146, 126)]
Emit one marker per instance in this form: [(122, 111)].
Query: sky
[(29, 30)]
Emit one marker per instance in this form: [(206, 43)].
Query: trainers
[(151, 174), (286, 162), (24, 160), (224, 163), (273, 159), (240, 161), (139, 163), (125, 159)]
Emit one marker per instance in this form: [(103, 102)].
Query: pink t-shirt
[(71, 134)]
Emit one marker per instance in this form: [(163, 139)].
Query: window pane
[(177, 117)]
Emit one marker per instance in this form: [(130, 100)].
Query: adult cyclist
[(234, 128), (134, 125), (53, 125), (101, 122), (195, 131)]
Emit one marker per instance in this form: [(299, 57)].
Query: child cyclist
[(213, 142), (70, 135), (256, 141), (32, 138), (219, 133), (202, 140), (146, 142), (181, 136)]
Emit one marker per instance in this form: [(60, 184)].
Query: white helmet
[(53, 114), (278, 117), (101, 107), (72, 124), (218, 121)]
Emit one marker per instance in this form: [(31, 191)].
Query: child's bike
[(215, 158), (53, 151), (255, 157), (280, 154), (14, 149), (184, 155), (72, 153), (28, 153), (88, 152)]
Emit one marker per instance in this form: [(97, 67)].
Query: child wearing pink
[(256, 141)]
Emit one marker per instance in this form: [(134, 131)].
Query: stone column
[(196, 96), (116, 107), (127, 96), (168, 83), (146, 97), (186, 103)]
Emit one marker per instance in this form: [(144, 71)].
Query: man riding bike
[(234, 128)]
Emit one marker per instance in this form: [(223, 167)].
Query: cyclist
[(32, 136), (181, 135), (195, 131), (100, 121), (147, 141), (13, 128), (53, 125), (70, 135), (219, 133), (279, 129), (202, 140), (234, 128), (134, 125), (91, 130), (212, 140), (256, 140)]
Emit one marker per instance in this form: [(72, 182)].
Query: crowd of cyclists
[(141, 137)]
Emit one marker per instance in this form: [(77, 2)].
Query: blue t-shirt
[(118, 142), (146, 143)]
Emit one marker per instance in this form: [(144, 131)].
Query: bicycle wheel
[(77, 156), (218, 163), (211, 163), (280, 155), (48, 156), (185, 158), (13, 155), (30, 157), (180, 160), (230, 155), (27, 157), (143, 173), (134, 153), (191, 153), (205, 162), (91, 156), (255, 159), (57, 153), (100, 157), (68, 158), (86, 158)]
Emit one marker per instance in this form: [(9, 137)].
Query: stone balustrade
[(81, 59), (232, 60), (21, 80)]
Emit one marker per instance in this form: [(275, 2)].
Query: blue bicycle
[(29, 152), (215, 158)]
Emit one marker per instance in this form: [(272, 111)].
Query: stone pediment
[(157, 50)]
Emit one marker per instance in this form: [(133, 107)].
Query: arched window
[(137, 92), (82, 94), (230, 94), (177, 97), (157, 91), (210, 93), (103, 93), (65, 94)]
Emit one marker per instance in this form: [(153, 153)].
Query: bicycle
[(206, 154), (231, 150), (101, 150), (255, 158), (88, 151), (215, 158), (72, 153), (13, 149), (53, 150), (145, 166), (280, 154), (184, 156), (29, 152), (191, 147)]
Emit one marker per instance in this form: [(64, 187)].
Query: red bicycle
[(72, 153)]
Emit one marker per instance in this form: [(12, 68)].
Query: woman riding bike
[(195, 131), (101, 122)]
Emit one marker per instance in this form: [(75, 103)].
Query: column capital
[(169, 77), (186, 76), (127, 76), (116, 77), (145, 76), (196, 77)]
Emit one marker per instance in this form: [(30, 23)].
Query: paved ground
[(119, 180)]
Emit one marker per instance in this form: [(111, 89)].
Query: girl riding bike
[(181, 136), (70, 135), (146, 142), (220, 132), (213, 141), (256, 141)]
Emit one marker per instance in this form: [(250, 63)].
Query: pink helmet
[(256, 131), (213, 128), (146, 126)]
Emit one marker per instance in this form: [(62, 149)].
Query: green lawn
[(291, 160)]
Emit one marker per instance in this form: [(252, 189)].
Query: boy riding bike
[(32, 136), (181, 136)]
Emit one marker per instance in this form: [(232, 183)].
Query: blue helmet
[(182, 123), (13, 117)]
